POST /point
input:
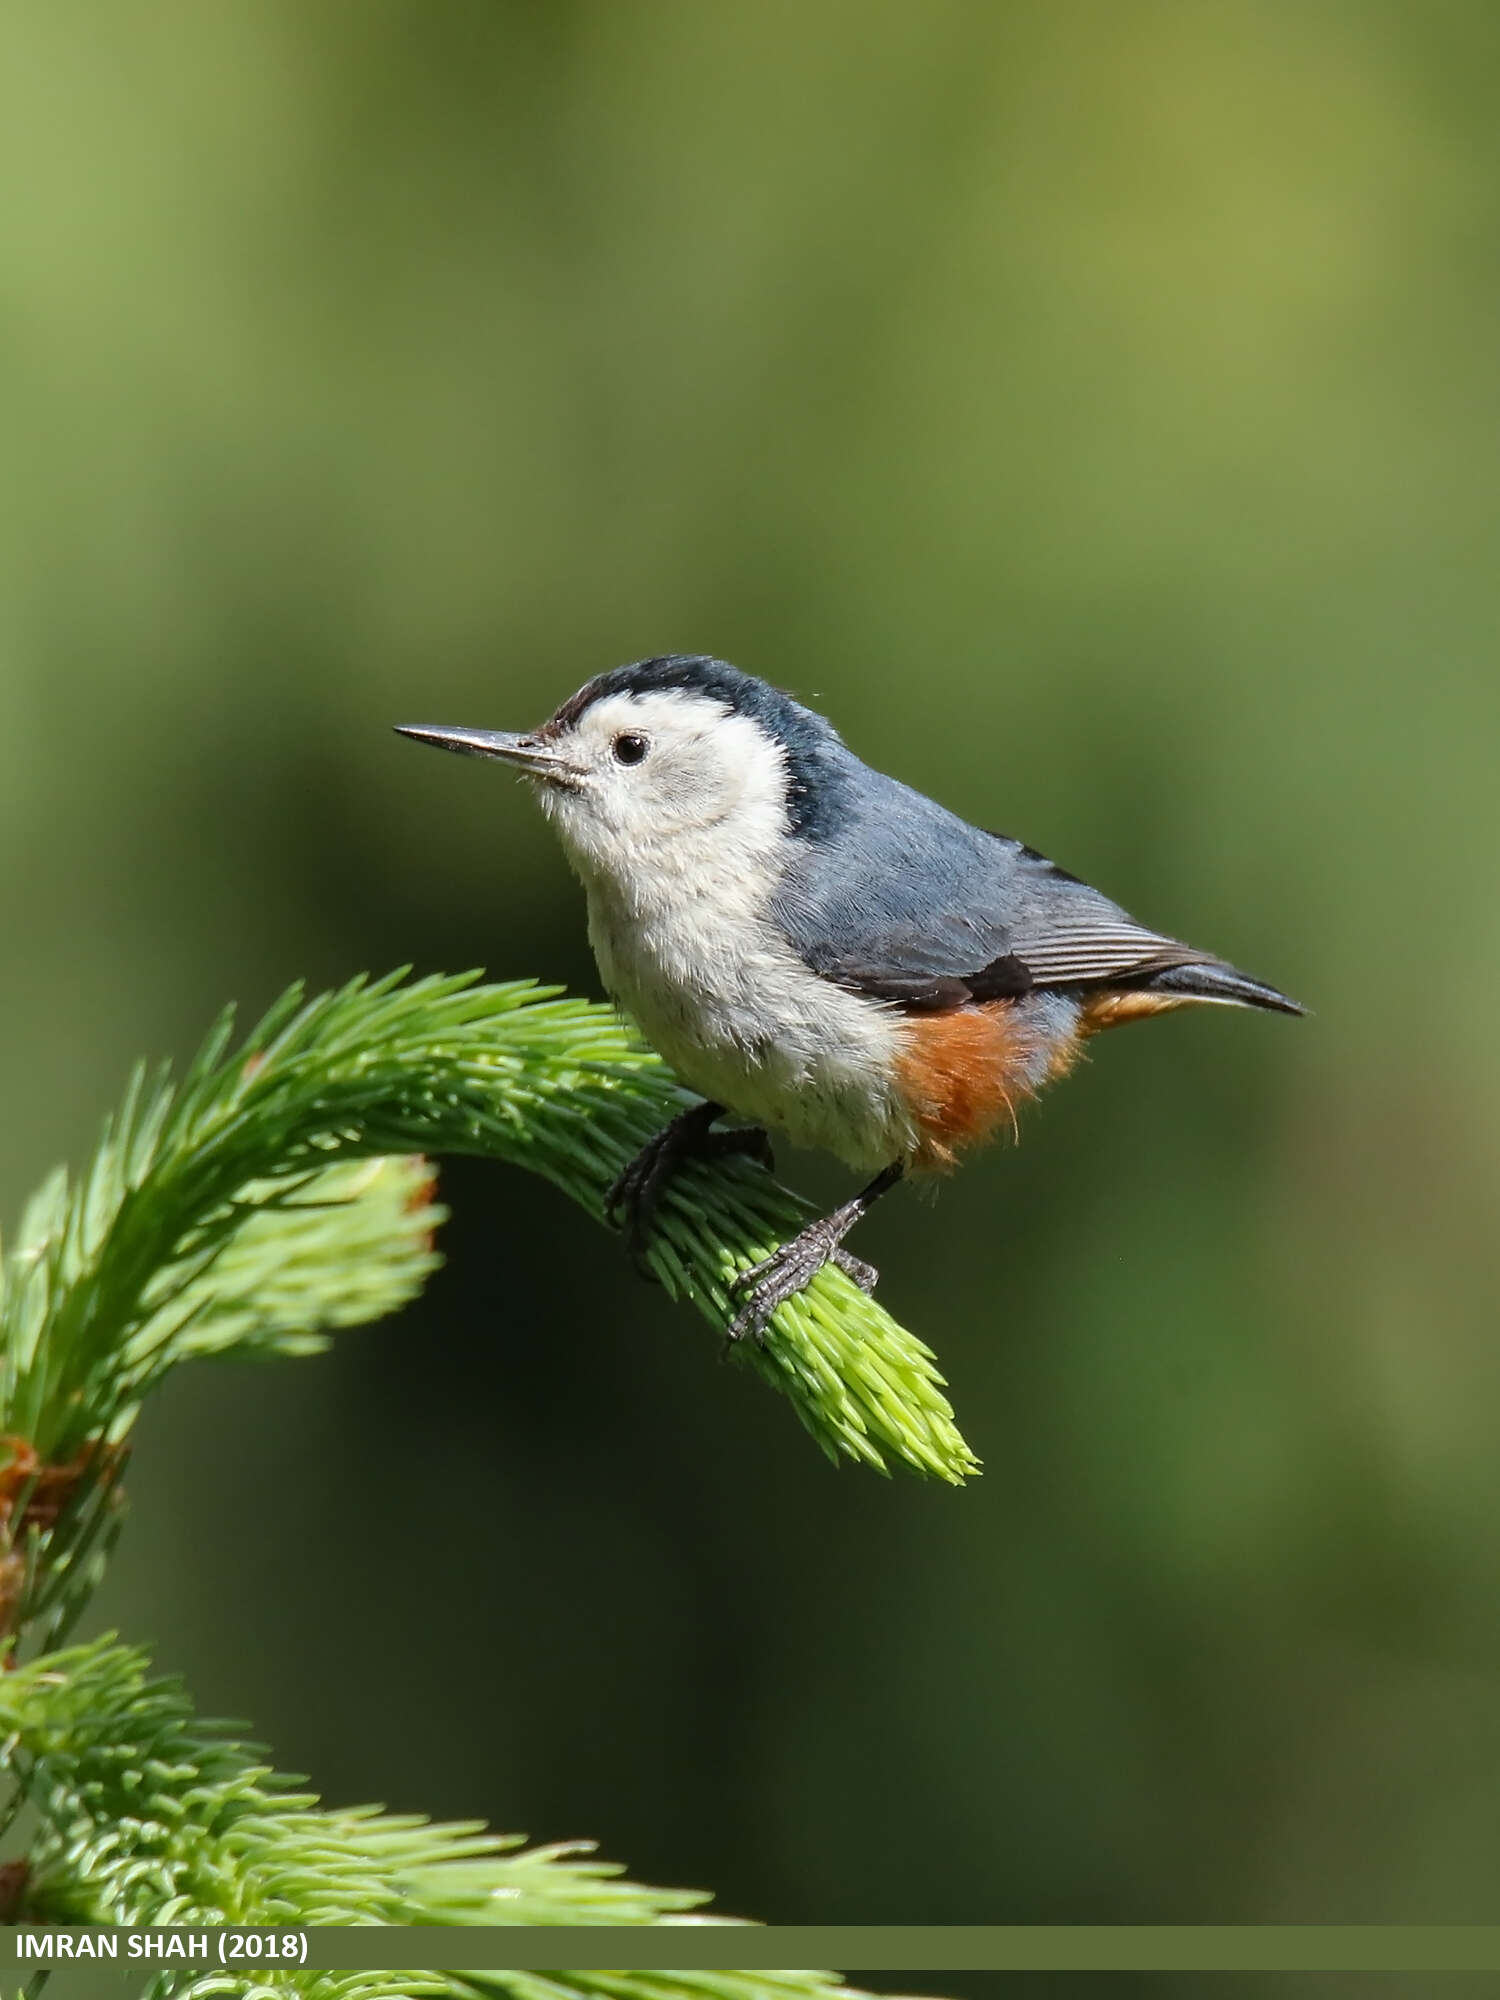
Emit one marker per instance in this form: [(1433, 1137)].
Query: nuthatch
[(816, 947)]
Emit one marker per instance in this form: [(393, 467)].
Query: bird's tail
[(1213, 980)]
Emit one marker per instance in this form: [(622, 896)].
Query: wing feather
[(910, 905)]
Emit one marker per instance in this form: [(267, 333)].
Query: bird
[(818, 949)]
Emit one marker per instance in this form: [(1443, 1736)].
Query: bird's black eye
[(630, 748)]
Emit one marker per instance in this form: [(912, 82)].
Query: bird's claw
[(636, 1191), (864, 1275), (632, 1197), (752, 1141), (779, 1277)]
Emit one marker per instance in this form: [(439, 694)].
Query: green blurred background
[(1093, 407)]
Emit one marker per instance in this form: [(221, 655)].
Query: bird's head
[(670, 764)]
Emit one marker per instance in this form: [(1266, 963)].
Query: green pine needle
[(149, 1815)]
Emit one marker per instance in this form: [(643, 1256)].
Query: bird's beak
[(538, 760)]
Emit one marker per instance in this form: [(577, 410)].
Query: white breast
[(739, 1017)]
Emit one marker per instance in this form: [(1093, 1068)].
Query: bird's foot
[(769, 1284), (633, 1199), (864, 1275)]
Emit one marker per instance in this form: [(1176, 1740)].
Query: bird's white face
[(650, 787)]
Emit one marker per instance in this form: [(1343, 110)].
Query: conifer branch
[(149, 1815), (279, 1192), (208, 1222)]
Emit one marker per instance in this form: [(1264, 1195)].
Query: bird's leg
[(770, 1284), (634, 1196)]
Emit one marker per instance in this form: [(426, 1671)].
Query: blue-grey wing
[(908, 903)]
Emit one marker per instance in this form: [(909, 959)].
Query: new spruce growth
[(276, 1193)]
